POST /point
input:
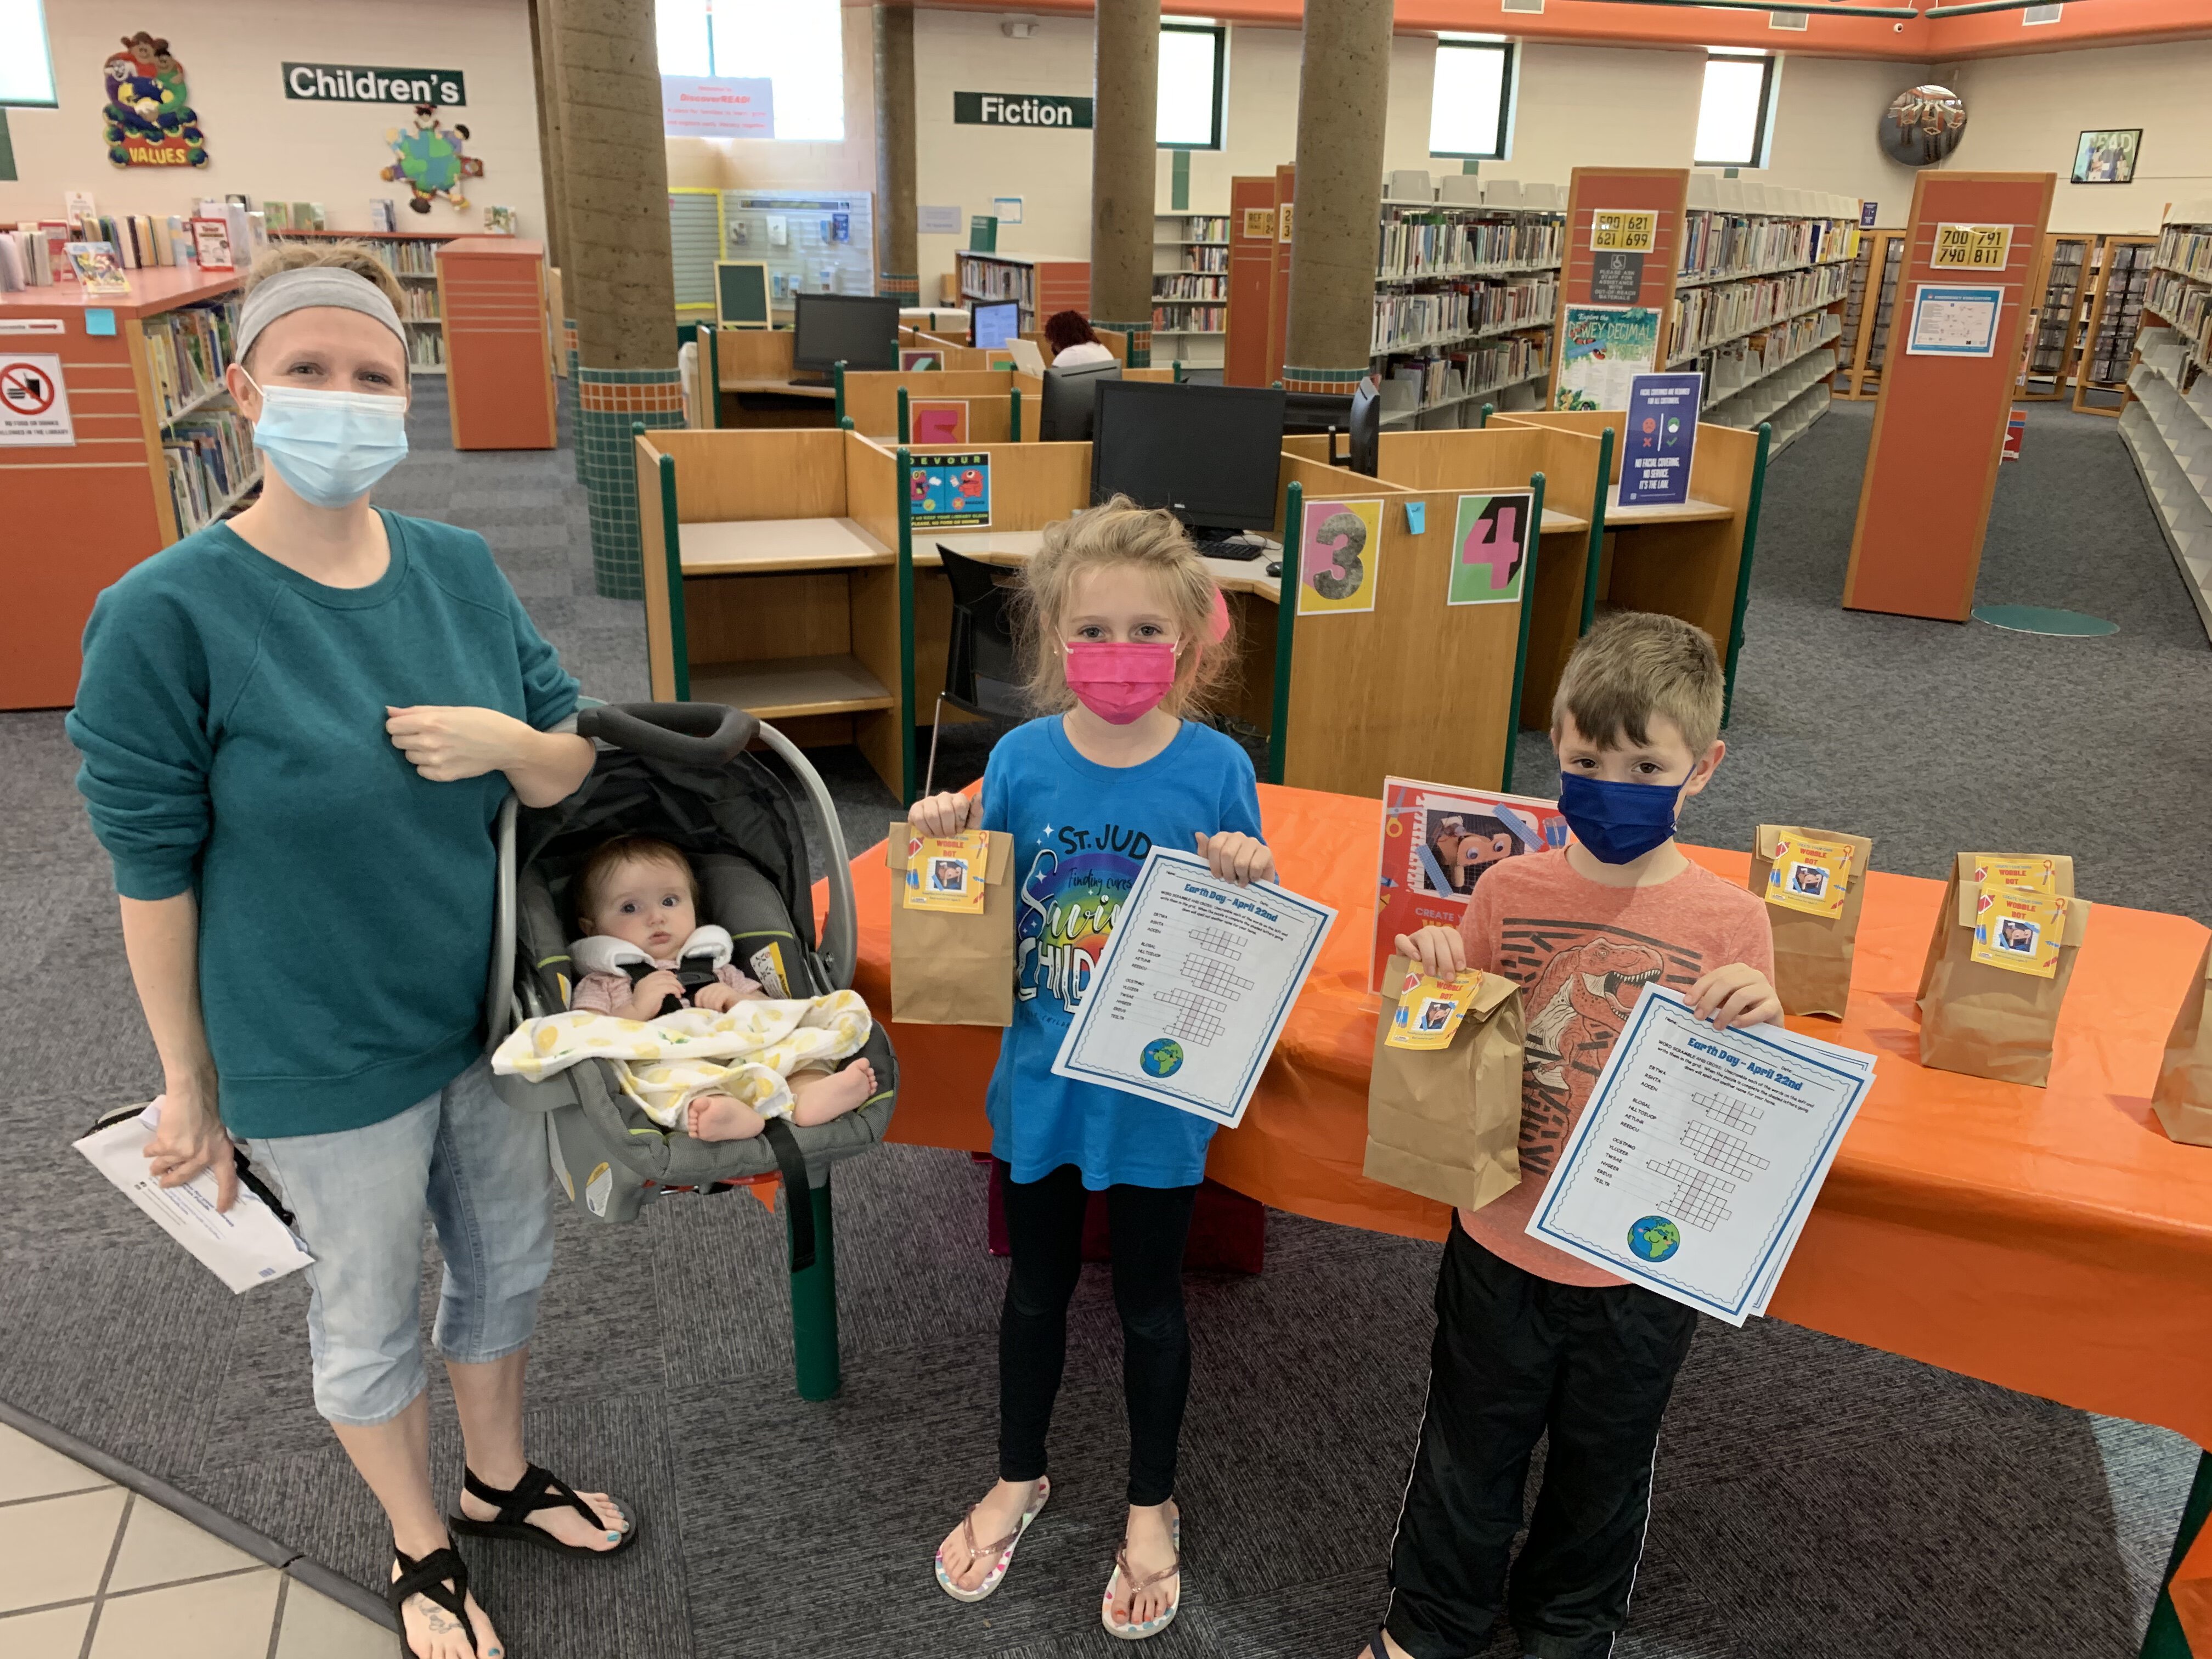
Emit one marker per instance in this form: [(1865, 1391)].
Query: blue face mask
[(1619, 822), (330, 447)]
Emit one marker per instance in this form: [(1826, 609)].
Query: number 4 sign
[(1489, 549), (34, 402)]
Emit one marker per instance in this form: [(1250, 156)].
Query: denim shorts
[(479, 1169)]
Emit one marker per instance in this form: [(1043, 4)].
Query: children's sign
[(950, 492), (1662, 432), (1490, 548), (1437, 841), (1337, 557)]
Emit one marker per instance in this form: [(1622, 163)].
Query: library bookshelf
[(80, 513), (412, 257), (2166, 421), (1190, 287), (2109, 322), (1042, 282), (1866, 323)]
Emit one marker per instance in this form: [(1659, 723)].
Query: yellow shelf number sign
[(1971, 247), (1624, 233)]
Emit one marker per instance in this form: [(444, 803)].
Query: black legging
[(1044, 1228)]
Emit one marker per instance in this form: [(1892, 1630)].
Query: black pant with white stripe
[(1517, 1355)]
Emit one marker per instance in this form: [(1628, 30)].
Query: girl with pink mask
[(1126, 636)]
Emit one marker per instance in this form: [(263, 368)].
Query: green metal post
[(844, 423), (838, 370), (814, 1303), (1178, 367), (905, 493), (1014, 414), (1597, 529), (1286, 619), (678, 645), (1535, 534), (2163, 1637), (905, 435), (714, 398), (1486, 410), (1743, 570)]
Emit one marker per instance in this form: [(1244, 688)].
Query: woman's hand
[(941, 814), (1234, 856), (1440, 951), (447, 744), (190, 1138)]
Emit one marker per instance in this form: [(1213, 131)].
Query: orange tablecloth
[(2049, 1240)]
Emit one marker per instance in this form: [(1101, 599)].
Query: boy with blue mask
[(1530, 1340)]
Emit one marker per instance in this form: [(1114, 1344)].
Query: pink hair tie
[(1220, 624)]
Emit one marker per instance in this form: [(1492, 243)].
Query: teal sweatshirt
[(231, 719)]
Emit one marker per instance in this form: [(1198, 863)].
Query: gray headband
[(312, 285)]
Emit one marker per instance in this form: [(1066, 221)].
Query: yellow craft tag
[(947, 873), (1992, 873), (1430, 1009), (2020, 929), (1812, 876)]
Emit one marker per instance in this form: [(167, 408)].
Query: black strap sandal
[(538, 1489), (442, 1578)]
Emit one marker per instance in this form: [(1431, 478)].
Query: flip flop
[(1150, 1626), (538, 1489), (1004, 1549)]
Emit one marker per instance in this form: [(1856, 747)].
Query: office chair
[(983, 669)]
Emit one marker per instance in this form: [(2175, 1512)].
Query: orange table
[(2051, 1240)]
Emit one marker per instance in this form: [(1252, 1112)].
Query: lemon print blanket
[(747, 1053)]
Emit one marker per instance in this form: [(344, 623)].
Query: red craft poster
[(1438, 840)]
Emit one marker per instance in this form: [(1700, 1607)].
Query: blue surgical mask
[(330, 447), (1619, 822)]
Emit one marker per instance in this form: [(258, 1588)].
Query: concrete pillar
[(618, 278), (541, 43), (898, 260), (1124, 169), (1344, 90)]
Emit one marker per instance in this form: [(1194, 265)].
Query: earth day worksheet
[(1195, 985), (1692, 1167)]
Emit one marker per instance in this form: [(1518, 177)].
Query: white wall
[(262, 144), (2023, 114), (1825, 124)]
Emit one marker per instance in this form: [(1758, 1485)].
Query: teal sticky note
[(1417, 514), (98, 319)]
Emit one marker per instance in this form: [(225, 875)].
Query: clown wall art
[(150, 121)]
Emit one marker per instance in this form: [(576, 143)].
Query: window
[(27, 73), (1471, 113), (1732, 115), (797, 44), (1193, 57)]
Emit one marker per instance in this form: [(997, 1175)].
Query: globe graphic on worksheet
[(1163, 1056), (1654, 1239)]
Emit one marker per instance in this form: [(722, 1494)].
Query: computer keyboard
[(1237, 549)]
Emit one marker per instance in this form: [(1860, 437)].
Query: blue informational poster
[(1663, 430)]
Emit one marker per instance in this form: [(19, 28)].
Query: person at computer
[(1068, 333)]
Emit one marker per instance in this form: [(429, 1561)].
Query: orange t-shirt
[(1582, 953)]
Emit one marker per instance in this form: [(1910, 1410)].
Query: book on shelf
[(210, 457), (186, 351)]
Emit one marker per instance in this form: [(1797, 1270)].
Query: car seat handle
[(709, 734)]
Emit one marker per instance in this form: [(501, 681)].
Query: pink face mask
[(1120, 683)]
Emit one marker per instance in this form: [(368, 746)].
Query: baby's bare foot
[(718, 1117), (826, 1097)]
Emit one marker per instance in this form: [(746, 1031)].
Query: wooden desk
[(1018, 547), (759, 547), (1693, 511), (781, 388)]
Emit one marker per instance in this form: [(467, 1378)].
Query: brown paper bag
[(1812, 954), (2183, 1098), (1446, 1122), (949, 969), (1985, 1021)]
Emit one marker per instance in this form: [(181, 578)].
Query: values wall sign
[(1019, 109), (361, 83), (150, 123)]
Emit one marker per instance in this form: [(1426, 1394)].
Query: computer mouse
[(1275, 567)]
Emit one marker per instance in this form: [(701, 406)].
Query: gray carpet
[(1814, 1499)]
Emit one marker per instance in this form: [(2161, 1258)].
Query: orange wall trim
[(1605, 22)]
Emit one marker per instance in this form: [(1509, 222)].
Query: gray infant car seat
[(679, 772)]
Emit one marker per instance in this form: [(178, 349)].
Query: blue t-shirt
[(1081, 831)]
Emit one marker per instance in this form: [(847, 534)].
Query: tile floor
[(90, 1571)]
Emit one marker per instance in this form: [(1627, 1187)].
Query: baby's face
[(646, 903)]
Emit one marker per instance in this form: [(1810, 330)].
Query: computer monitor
[(994, 324), (858, 330), (1070, 395), (1209, 454), (1367, 428)]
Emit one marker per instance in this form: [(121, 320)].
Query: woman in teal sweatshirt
[(297, 728)]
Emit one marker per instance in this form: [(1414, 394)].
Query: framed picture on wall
[(2106, 158)]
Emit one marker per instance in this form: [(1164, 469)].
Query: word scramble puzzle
[(1721, 1150), (1699, 1195), (1736, 1114), (1214, 984)]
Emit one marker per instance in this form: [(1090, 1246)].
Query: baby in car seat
[(645, 955)]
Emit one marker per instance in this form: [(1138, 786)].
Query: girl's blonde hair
[(1119, 532)]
